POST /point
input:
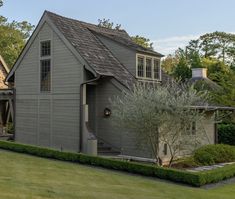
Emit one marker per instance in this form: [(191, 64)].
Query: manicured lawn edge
[(195, 179)]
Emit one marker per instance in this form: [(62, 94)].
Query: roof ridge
[(122, 34), (83, 22)]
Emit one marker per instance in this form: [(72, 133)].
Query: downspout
[(81, 106)]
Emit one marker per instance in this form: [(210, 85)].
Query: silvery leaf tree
[(161, 114)]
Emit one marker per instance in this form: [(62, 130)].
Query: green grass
[(23, 176)]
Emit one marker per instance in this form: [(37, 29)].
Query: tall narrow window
[(193, 128), (140, 71), (156, 69), (45, 48), (165, 149), (148, 67), (45, 66)]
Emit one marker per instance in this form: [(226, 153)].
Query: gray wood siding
[(126, 56), (49, 119), (108, 131)]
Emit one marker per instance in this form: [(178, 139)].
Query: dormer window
[(140, 66), (148, 68), (156, 69)]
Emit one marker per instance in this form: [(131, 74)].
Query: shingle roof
[(91, 48), (120, 36)]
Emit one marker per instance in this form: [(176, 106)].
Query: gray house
[(64, 79)]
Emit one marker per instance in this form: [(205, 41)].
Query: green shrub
[(212, 154), (10, 128), (191, 178), (218, 174), (226, 134)]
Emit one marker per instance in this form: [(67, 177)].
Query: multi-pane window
[(45, 66), (45, 48), (191, 128), (149, 67), (156, 69), (140, 70)]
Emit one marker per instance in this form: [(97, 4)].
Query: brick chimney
[(199, 72)]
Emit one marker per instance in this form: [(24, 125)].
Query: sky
[(169, 24)]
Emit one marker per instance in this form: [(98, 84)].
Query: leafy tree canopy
[(106, 23), (13, 36), (214, 51)]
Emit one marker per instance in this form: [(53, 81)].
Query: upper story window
[(45, 66), (156, 69), (45, 75), (45, 48), (148, 68), (140, 66)]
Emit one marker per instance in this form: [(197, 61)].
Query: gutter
[(81, 108)]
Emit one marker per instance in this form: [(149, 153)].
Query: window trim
[(40, 46), (152, 68)]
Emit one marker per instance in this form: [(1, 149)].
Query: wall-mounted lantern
[(107, 112)]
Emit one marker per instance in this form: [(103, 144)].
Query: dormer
[(148, 68)]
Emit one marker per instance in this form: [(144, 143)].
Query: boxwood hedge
[(191, 178)]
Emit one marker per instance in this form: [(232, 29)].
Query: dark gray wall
[(125, 55), (107, 130), (49, 119)]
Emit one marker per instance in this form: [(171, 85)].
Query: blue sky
[(168, 23)]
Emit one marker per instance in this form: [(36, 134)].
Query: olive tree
[(161, 114)]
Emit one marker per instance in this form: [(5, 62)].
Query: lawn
[(23, 176)]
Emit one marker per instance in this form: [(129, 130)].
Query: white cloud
[(169, 45)]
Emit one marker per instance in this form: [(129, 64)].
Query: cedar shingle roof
[(92, 49), (120, 36)]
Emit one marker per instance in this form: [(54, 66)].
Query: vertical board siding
[(49, 119), (65, 124), (26, 114), (44, 123)]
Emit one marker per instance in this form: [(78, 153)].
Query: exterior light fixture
[(107, 112)]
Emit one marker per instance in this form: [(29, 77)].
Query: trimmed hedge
[(215, 153), (191, 178), (226, 134)]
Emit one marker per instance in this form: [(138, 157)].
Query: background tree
[(160, 115), (106, 23), (168, 63), (140, 40), (214, 51), (13, 36)]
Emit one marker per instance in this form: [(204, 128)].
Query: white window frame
[(152, 68)]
